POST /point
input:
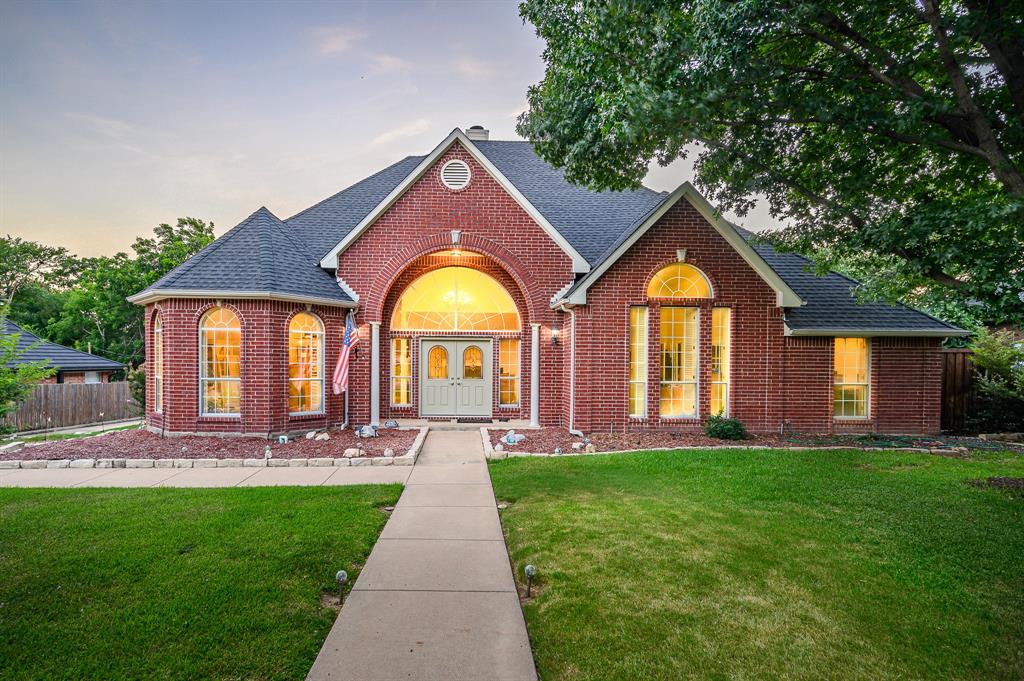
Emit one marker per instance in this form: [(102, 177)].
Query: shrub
[(999, 358), (137, 384), (725, 428)]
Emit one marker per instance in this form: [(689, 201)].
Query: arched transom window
[(305, 364), (220, 363), (679, 280), (455, 299)]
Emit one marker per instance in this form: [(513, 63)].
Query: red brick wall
[(76, 377)]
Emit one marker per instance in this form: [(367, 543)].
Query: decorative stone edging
[(407, 459)]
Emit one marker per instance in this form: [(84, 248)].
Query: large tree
[(887, 134), (27, 262)]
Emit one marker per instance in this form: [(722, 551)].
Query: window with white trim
[(158, 363), (305, 364), (851, 370), (721, 351), (638, 362), (220, 363), (508, 372), (678, 362), (401, 372)]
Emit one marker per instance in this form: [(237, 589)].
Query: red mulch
[(141, 444)]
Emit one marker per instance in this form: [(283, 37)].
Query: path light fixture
[(530, 571), (341, 578)]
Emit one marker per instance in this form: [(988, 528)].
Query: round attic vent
[(455, 174)]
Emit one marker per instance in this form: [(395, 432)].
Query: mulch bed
[(1013, 485), (546, 440), (142, 444)]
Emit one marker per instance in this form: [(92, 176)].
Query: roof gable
[(258, 258), (35, 349), (580, 264)]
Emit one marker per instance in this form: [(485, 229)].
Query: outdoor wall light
[(554, 336), (530, 571)]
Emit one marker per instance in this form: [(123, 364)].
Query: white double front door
[(455, 377)]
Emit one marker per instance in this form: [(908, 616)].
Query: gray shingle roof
[(62, 358), (831, 301), (261, 254)]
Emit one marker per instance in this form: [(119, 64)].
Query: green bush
[(725, 428), (999, 359)]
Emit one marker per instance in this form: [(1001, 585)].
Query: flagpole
[(345, 425)]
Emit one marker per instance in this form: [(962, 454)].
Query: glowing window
[(472, 362), (679, 280), (455, 299), (437, 362), (638, 362), (721, 323), (678, 362), (508, 368), (220, 363), (401, 372), (158, 363), (305, 364), (852, 378)]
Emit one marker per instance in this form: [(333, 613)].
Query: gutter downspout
[(572, 370)]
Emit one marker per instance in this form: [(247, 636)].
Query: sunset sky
[(115, 117)]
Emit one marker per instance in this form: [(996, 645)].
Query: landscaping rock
[(118, 463), (363, 461), (310, 435), (183, 463), (389, 452), (341, 462), (139, 463), (38, 463), (590, 448), (230, 463), (163, 463), (204, 463), (278, 463), (83, 463), (322, 437), (254, 463), (352, 452), (10, 464), (405, 460), (58, 463), (578, 446), (298, 463), (382, 460), (321, 461)]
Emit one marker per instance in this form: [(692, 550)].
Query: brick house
[(72, 366), (486, 287)]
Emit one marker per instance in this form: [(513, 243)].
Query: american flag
[(340, 380)]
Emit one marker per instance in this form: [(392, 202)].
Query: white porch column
[(535, 375), (375, 373)]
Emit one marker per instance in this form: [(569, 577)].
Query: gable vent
[(455, 174)]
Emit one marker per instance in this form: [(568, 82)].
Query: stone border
[(407, 459), (507, 454)]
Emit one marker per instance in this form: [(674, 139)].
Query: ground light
[(341, 577), (530, 571)]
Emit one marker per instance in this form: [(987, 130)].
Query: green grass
[(174, 584), (769, 564)]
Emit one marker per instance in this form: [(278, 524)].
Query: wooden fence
[(957, 390), (63, 405)]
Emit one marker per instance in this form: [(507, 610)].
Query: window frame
[(638, 358), (677, 295), (696, 364), (158, 364), (866, 383), (727, 383), (322, 380), (203, 379), (400, 377), (515, 378)]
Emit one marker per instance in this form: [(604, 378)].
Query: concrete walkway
[(202, 477), (436, 599)]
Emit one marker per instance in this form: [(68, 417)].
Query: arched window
[(158, 364), (679, 280), (472, 362), (305, 364), (437, 363), (455, 299), (220, 363)]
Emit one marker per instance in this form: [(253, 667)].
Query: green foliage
[(999, 358), (882, 132), (17, 379), (137, 383), (23, 262), (724, 428), (36, 307)]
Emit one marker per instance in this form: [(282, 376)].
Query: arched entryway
[(455, 341)]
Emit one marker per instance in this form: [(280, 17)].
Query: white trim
[(534, 375), (330, 261), (784, 295), (460, 162), (871, 333), (322, 333), (374, 373), (144, 297), (867, 384)]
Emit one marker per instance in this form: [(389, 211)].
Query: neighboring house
[(73, 366), (487, 287)]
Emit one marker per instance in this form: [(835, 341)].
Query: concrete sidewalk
[(202, 477), (436, 599)]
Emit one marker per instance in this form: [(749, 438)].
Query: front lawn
[(769, 564), (172, 583)]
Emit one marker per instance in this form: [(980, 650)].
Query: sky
[(116, 117)]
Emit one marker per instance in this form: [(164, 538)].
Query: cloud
[(410, 129), (474, 68), (335, 39), (388, 63)]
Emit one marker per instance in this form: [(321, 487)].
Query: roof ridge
[(205, 253), (351, 186)]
